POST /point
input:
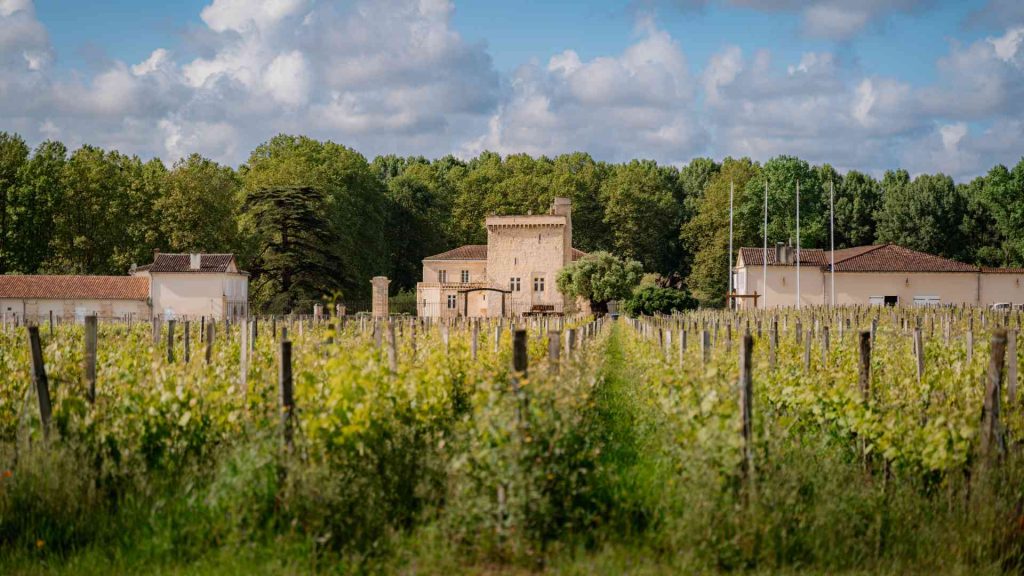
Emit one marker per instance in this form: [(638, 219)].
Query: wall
[(950, 287), (194, 295), (1002, 287), (782, 286), (527, 252), (477, 270), (68, 310)]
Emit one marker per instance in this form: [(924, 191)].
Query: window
[(465, 276), (926, 300), (442, 276), (451, 301), (538, 284), (513, 284), (883, 300)]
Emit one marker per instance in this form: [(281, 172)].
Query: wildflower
[(40, 544), (8, 473)]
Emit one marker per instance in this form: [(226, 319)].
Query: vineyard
[(819, 441)]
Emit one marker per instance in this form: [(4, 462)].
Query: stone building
[(885, 274), (513, 274), (173, 286)]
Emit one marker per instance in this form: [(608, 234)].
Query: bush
[(648, 300)]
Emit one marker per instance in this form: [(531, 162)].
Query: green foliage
[(706, 235), (650, 300), (643, 211), (599, 277), (297, 262), (924, 214), (96, 211), (199, 210), (629, 454)]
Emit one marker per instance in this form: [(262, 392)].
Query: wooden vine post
[(554, 350), (746, 386), (287, 393), (90, 357), (992, 447), (210, 334), (39, 378), (170, 341)]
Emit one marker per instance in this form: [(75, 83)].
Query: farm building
[(173, 286), (514, 273), (884, 274)]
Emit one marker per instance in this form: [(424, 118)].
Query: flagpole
[(797, 244), (764, 260), (832, 234), (729, 301)]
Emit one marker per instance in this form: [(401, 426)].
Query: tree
[(857, 198), (91, 224), (296, 262), (33, 207), (783, 173), (354, 201), (924, 214), (650, 300), (13, 155), (599, 277), (643, 211), (417, 208), (198, 212), (706, 235), (1002, 190)]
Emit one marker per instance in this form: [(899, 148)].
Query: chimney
[(780, 253), (194, 261)]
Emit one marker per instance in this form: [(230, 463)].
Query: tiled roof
[(467, 252), (893, 258), (988, 270), (182, 263), (75, 287), (808, 256), (479, 252)]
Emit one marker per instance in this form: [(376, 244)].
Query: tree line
[(312, 219)]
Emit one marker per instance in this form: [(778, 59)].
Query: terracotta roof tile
[(893, 258), (808, 256), (467, 252), (988, 270), (479, 252), (182, 263), (75, 287)]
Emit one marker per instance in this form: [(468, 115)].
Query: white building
[(884, 274), (173, 286)]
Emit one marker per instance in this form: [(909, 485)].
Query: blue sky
[(929, 85)]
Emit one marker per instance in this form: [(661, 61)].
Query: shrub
[(648, 300)]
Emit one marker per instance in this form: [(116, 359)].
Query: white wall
[(191, 295)]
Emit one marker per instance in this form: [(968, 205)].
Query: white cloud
[(248, 15), (394, 76), (836, 19), (637, 104)]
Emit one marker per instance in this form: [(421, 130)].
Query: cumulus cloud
[(833, 19), (380, 75), (394, 76), (639, 103)]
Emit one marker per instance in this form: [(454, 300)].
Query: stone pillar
[(380, 296)]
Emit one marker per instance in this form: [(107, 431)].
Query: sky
[(926, 85)]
